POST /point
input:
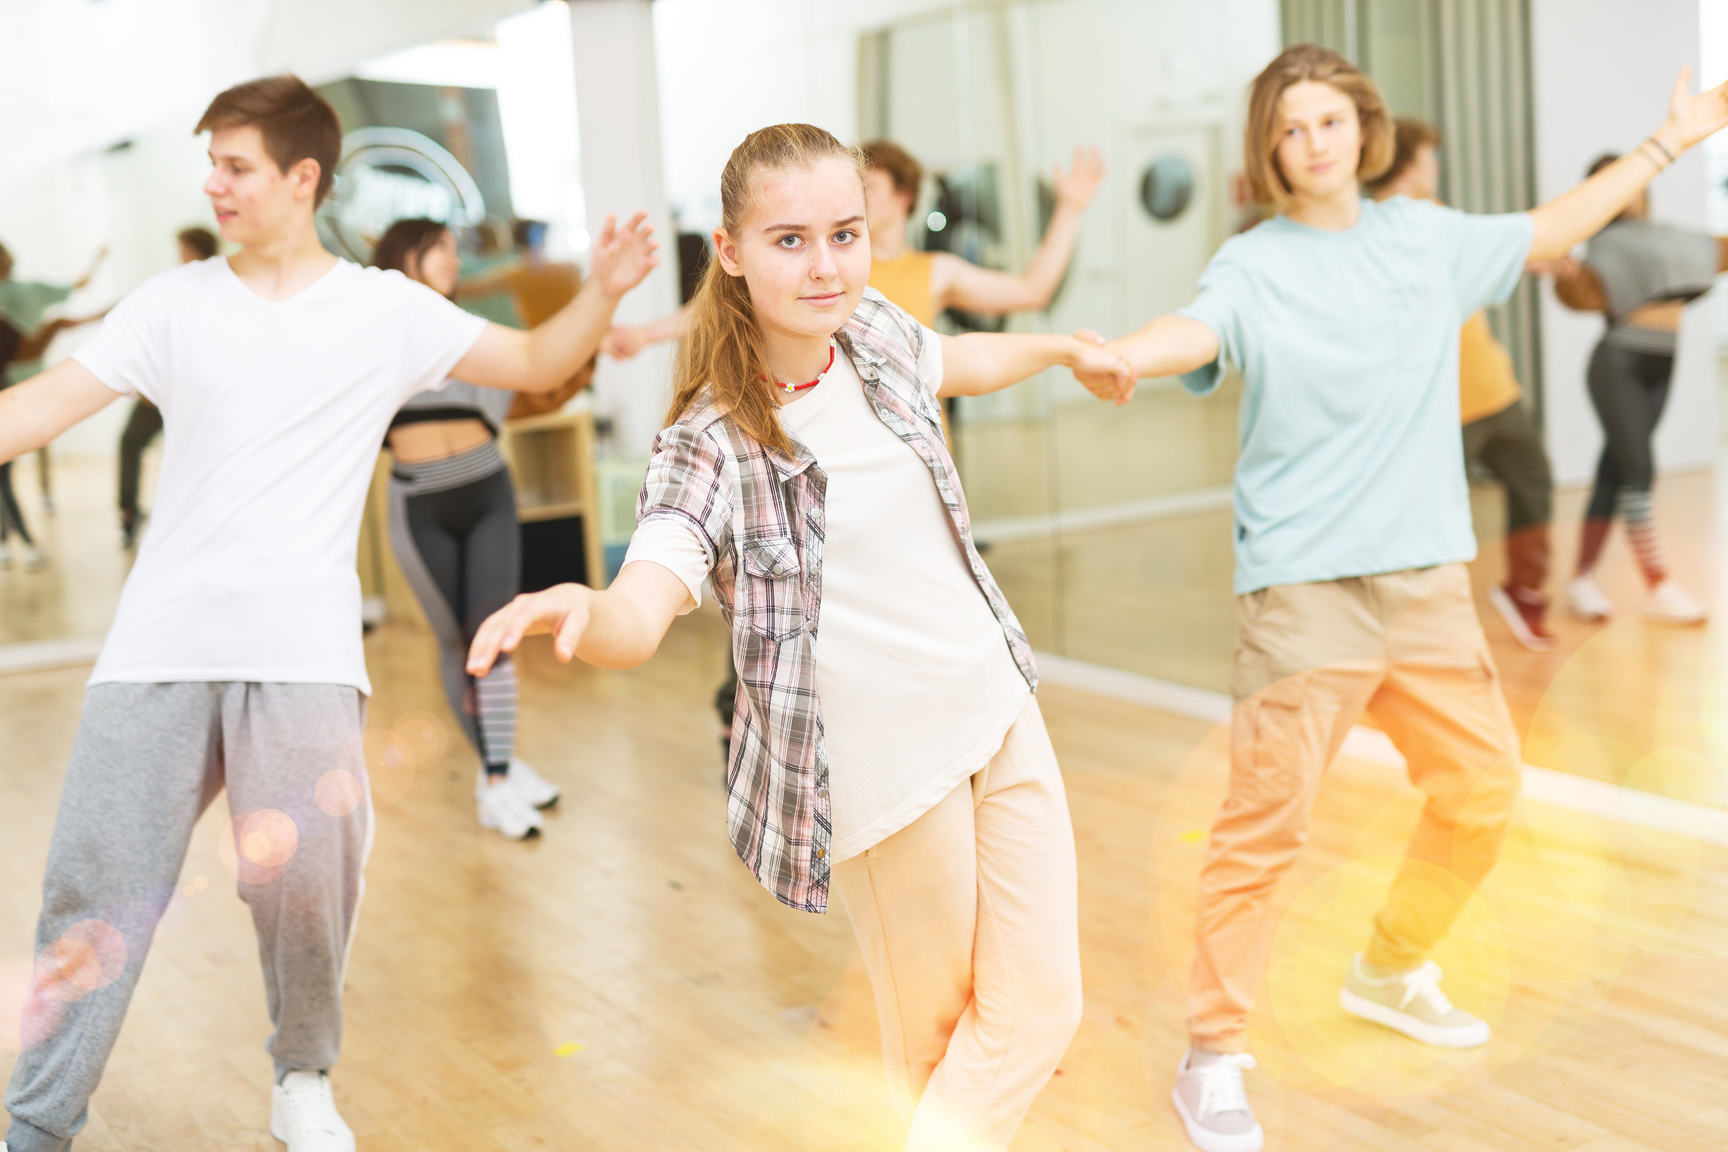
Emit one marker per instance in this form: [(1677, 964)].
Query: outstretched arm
[(1580, 213), (543, 358), (957, 283), (986, 362), (36, 411), (90, 273), (624, 341), (618, 628), (1169, 346)]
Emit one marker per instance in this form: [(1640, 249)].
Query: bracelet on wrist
[(1661, 147)]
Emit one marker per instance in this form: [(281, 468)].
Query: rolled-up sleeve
[(684, 512)]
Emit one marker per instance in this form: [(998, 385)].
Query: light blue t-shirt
[(1352, 463)]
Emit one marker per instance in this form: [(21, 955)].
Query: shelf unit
[(552, 462)]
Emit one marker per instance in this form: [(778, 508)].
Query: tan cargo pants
[(1407, 648)]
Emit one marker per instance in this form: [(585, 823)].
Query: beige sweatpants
[(968, 924), (1407, 648)]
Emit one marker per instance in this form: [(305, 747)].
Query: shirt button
[(821, 853), (821, 793)]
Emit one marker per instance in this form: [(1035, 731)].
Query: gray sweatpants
[(147, 761)]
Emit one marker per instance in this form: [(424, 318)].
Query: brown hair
[(721, 351), (902, 167), (405, 242), (1294, 65), (296, 122), (200, 240), (1409, 137)]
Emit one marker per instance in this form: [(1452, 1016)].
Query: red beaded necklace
[(820, 376)]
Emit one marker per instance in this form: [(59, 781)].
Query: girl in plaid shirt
[(886, 740)]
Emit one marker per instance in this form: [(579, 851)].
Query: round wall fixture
[(390, 174), (1167, 187)]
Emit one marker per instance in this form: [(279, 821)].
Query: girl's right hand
[(561, 610), (1104, 370)]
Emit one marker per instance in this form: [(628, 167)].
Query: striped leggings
[(460, 548), (1628, 389)]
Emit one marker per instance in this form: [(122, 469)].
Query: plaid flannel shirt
[(760, 515)]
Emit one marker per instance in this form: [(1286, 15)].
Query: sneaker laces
[(1221, 1088), (313, 1105), (1423, 987)]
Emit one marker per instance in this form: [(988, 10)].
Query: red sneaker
[(1524, 612)]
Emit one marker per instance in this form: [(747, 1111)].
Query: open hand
[(1104, 370), (1693, 117), (623, 256), (561, 610), (1076, 187)]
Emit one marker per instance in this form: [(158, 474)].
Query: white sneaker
[(34, 561), (1586, 601), (1213, 1104), (531, 786), (503, 810), (303, 1115), (1411, 1003), (1669, 603)]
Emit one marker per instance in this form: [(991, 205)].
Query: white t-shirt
[(274, 412), (917, 684)]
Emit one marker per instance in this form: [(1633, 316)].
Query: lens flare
[(421, 737), (89, 955), (338, 792)]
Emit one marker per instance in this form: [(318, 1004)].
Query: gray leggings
[(461, 550), (148, 759)]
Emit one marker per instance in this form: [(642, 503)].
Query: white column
[(618, 110), (1602, 72)]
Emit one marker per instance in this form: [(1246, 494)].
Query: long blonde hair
[(721, 350)]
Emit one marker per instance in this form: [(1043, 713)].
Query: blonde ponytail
[(721, 350)]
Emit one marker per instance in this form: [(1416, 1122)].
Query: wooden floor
[(624, 984)]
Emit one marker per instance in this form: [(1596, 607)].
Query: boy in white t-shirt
[(235, 657)]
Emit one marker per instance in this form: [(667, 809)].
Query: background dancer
[(145, 422), (27, 301), (454, 530), (235, 658), (1640, 275), (1352, 526), (1499, 432), (927, 284), (15, 345), (826, 504)]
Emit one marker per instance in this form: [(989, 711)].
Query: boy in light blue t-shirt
[(1352, 526)]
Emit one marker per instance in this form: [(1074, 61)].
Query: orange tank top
[(905, 280)]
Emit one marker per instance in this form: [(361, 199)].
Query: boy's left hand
[(623, 256)]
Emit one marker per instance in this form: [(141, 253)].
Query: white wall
[(729, 67), (1603, 71)]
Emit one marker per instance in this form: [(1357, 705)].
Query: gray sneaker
[(1213, 1104), (1412, 1003)]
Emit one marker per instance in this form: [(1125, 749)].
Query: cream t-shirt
[(917, 683), (274, 411)]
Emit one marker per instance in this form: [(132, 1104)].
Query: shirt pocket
[(773, 576)]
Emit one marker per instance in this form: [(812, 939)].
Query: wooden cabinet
[(552, 463)]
